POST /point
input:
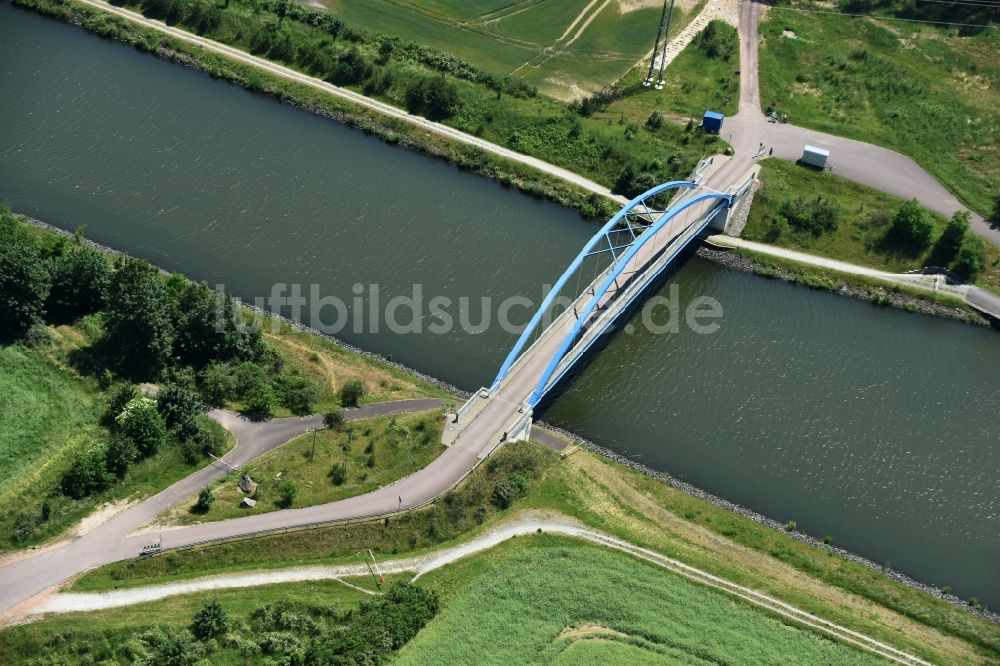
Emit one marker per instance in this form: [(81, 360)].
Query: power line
[(880, 18), (973, 3)]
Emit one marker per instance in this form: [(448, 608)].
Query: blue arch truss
[(618, 237)]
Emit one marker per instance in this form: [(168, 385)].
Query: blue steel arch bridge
[(609, 274)]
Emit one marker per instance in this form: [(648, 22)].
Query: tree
[(351, 392), (120, 455), (351, 67), (258, 403), (179, 408), (333, 419), (207, 325), (216, 384), (338, 474), (141, 422), (655, 120), (86, 475), (138, 322), (210, 620), (24, 279), (435, 97), (298, 393), (287, 493), (206, 498), (912, 227), (969, 260), (120, 397), (80, 282), (995, 216), (954, 233), (24, 526), (718, 40)]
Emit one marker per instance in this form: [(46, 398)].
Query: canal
[(875, 426)]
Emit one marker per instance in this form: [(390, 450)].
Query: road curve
[(862, 162), (110, 542)]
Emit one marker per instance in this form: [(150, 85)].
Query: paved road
[(110, 542), (872, 165)]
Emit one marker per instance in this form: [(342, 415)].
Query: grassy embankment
[(623, 502), (863, 222), (563, 601), (930, 92), (327, 466), (503, 111), (56, 398)]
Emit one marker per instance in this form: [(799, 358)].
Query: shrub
[(338, 474), (435, 97), (718, 40), (80, 282), (38, 336), (333, 419), (86, 475), (298, 393), (217, 384), (206, 498), (258, 404), (142, 423), (950, 242), (814, 217), (351, 392), (911, 227), (120, 397), (120, 455), (970, 259), (287, 493), (24, 526), (351, 67), (158, 646), (179, 407), (24, 278)]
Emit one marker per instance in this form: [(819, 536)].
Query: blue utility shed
[(712, 121)]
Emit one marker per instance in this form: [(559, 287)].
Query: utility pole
[(312, 452), (662, 37)]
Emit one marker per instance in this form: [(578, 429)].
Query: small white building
[(814, 156)]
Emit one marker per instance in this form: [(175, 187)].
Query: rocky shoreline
[(729, 260)]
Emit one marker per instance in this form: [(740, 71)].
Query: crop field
[(929, 92), (562, 601), (370, 453), (568, 48)]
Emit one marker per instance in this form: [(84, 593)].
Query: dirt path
[(527, 524)]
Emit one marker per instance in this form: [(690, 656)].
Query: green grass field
[(568, 48), (864, 220), (562, 601), (925, 91), (394, 447), (43, 408)]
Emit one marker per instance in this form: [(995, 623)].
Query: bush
[(179, 408), (120, 397), (970, 259), (950, 242), (351, 392), (38, 336), (435, 97), (120, 455), (86, 475), (206, 498), (159, 647), (298, 393), (338, 474), (259, 404), (24, 278), (287, 493), (718, 40), (142, 423), (912, 227), (24, 526), (351, 67), (814, 217), (80, 282), (210, 620), (333, 419), (217, 384)]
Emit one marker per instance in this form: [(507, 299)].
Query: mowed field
[(567, 48), (561, 601)]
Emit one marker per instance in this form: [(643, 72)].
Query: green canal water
[(875, 426)]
